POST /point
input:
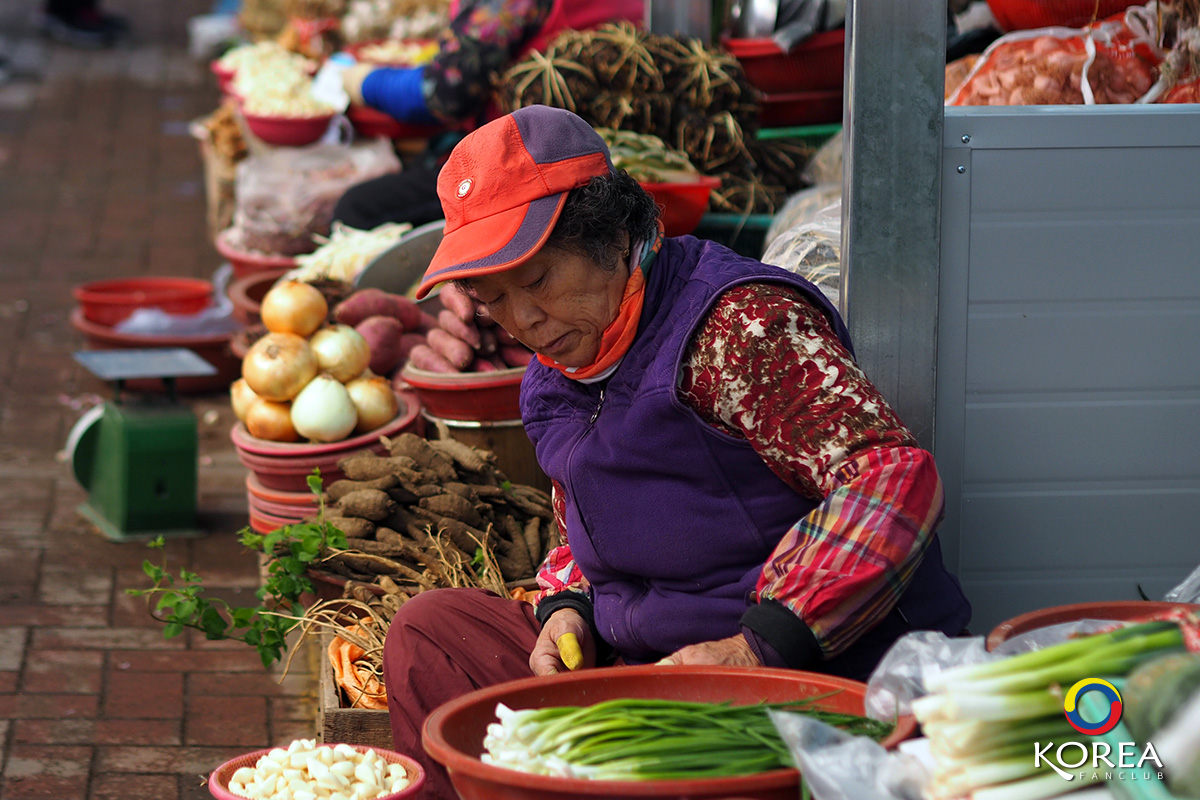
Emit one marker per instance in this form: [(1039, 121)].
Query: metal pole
[(895, 72)]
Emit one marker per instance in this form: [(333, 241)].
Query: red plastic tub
[(1019, 15), (108, 302), (682, 204), (483, 396), (369, 122), (285, 466), (1115, 610), (801, 108), (288, 131), (248, 262), (453, 734), (816, 63), (218, 781), (214, 349)]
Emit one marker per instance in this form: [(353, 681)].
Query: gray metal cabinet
[(1068, 353)]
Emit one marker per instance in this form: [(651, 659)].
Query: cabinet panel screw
[(961, 169), (966, 137)]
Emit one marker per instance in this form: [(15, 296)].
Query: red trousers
[(441, 645)]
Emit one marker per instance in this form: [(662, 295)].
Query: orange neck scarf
[(618, 336)]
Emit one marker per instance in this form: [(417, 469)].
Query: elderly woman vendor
[(730, 487)]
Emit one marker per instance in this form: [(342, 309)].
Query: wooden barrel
[(506, 438)]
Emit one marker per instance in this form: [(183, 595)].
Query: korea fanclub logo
[(1094, 761)]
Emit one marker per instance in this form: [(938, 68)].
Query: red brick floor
[(99, 178)]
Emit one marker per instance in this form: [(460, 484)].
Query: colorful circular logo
[(1071, 706)]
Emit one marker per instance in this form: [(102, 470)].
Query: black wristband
[(785, 632), (569, 599)]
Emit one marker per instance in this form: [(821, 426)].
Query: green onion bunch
[(983, 720), (647, 739)]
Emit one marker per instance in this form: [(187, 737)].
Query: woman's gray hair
[(597, 213)]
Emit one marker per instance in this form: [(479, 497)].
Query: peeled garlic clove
[(343, 768), (345, 750)]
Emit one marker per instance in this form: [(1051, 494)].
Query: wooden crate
[(336, 723)]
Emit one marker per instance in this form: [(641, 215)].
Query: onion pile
[(307, 379)]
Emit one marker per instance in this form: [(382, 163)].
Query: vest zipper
[(599, 406)]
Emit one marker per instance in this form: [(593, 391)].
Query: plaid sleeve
[(830, 436)]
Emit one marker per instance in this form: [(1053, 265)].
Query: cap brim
[(493, 244)]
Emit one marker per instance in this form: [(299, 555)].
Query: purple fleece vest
[(670, 519)]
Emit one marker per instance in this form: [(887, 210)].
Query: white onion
[(278, 366), (293, 307), (267, 419), (341, 351), (323, 411), (241, 396), (375, 400)]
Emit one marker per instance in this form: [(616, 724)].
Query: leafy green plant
[(181, 602)]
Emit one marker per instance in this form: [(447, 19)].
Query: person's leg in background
[(82, 23)]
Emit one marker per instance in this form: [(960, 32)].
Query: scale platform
[(139, 459)]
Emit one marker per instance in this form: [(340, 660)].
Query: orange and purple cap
[(504, 186)]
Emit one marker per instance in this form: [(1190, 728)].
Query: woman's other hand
[(545, 659), (352, 81), (734, 651)]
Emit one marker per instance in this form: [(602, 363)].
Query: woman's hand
[(734, 651), (545, 660), (352, 81)]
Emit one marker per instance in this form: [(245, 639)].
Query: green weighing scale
[(137, 457)]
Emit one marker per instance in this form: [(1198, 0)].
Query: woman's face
[(557, 303)]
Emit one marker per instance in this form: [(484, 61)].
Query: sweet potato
[(481, 365), (487, 341), (467, 331), (456, 351), (424, 357), (383, 338), (515, 355), (375, 302)]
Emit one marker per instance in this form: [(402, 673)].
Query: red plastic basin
[(285, 466), (794, 109), (248, 262), (108, 302), (369, 123), (1019, 15), (218, 781), (214, 349), (453, 733), (1115, 610), (288, 131), (483, 396), (816, 63), (682, 204)]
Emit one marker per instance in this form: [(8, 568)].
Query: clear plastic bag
[(212, 321), (812, 249), (287, 195), (1109, 62), (1186, 592), (838, 766)]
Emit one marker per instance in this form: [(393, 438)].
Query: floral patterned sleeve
[(829, 436), (482, 40)]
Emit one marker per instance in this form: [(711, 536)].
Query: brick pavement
[(99, 178)]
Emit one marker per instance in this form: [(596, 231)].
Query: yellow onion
[(293, 307), (375, 401), (323, 411), (278, 366), (341, 351), (240, 397), (267, 419)]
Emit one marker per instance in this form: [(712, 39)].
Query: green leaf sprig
[(290, 550)]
